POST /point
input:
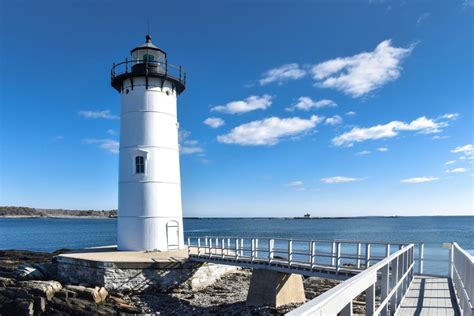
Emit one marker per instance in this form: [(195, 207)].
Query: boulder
[(96, 294), (25, 307), (49, 270), (28, 272), (39, 305), (42, 288), (4, 282)]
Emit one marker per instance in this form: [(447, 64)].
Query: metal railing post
[(313, 254), (241, 247), (252, 249), (367, 255), (271, 245), (400, 274), (290, 252), (338, 257), (199, 247), (359, 253), (370, 300), (333, 253), (451, 261), (236, 249), (256, 248), (210, 247), (421, 254), (347, 310), (385, 287), (393, 282), (228, 246), (222, 247), (387, 250)]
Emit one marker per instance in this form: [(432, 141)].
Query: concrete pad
[(109, 256), (136, 270), (272, 288)]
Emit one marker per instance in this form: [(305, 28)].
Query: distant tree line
[(36, 212)]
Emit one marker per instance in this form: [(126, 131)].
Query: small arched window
[(139, 164)]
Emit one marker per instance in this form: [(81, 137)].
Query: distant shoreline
[(224, 218)]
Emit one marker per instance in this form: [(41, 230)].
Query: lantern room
[(148, 53)]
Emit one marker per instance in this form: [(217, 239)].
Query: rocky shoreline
[(29, 286)]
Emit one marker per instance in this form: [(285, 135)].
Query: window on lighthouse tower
[(139, 164)]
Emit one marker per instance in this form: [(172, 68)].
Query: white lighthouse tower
[(149, 212)]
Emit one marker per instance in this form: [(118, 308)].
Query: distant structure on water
[(149, 213)]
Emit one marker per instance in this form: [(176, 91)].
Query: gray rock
[(96, 294), (49, 270), (4, 282), (42, 288), (40, 304), (25, 307), (28, 272)]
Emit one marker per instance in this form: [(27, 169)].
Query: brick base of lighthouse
[(137, 271), (275, 289)]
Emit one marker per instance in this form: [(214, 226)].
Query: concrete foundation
[(136, 271), (275, 288)]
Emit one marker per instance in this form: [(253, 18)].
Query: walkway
[(429, 296)]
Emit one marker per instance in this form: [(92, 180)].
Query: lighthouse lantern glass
[(148, 55)]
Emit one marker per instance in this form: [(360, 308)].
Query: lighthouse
[(149, 207)]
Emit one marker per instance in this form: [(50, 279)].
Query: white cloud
[(99, 115), (338, 179), (282, 74), (467, 149), (294, 184), (450, 162), (336, 119), (468, 3), (109, 145), (306, 104), (419, 180), (362, 73), (242, 106), (363, 153), (450, 116), (382, 149), (268, 131), (422, 18), (422, 125), (189, 150), (188, 146), (351, 113), (111, 132), (214, 122), (456, 170)]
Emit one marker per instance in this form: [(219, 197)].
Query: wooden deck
[(429, 296)]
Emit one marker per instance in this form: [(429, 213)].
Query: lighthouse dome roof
[(148, 45)]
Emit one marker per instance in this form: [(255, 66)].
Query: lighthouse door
[(172, 235)]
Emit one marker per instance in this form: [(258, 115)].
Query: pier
[(389, 277)]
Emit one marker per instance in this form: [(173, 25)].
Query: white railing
[(462, 276), (393, 275), (336, 257)]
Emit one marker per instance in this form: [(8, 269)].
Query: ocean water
[(48, 234)]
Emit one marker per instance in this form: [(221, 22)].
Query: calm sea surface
[(45, 234)]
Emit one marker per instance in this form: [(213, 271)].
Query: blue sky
[(343, 108)]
